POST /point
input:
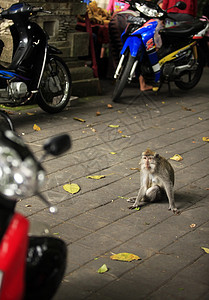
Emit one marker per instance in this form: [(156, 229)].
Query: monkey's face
[(148, 162)]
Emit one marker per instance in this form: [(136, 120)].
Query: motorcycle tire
[(55, 86), (123, 77), (189, 79)]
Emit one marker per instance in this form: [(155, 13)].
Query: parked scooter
[(35, 70), (179, 59), (31, 267)]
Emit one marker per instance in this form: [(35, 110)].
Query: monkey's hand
[(131, 200), (134, 206)]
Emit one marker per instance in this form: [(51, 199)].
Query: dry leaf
[(125, 257), (98, 113), (103, 269), (177, 157), (113, 126), (96, 177), (36, 127), (79, 119), (30, 114), (109, 106), (187, 109), (205, 139), (193, 225), (113, 153), (71, 188), (205, 249)]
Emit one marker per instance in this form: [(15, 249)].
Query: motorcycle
[(179, 59), (35, 70), (31, 266)]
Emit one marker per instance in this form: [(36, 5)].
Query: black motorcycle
[(35, 71)]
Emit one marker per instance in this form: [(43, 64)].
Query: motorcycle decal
[(10, 75), (150, 44), (172, 55)]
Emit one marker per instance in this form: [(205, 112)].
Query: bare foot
[(143, 85)]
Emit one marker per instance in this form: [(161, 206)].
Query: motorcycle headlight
[(148, 11), (18, 177)]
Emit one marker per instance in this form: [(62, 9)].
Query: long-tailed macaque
[(156, 177)]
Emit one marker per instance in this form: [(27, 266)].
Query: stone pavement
[(96, 221)]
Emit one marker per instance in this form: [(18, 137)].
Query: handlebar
[(23, 9)]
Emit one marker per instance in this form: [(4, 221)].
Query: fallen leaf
[(177, 157), (163, 102), (137, 208), (205, 139), (113, 153), (138, 169), (71, 188), (125, 256), (200, 118), (187, 109), (30, 114), (79, 119), (36, 127), (120, 131), (109, 106), (96, 177), (113, 126), (125, 136), (192, 225), (103, 269), (206, 250), (98, 113)]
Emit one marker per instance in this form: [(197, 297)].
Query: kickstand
[(170, 94)]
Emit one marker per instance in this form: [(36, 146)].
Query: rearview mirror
[(181, 5)]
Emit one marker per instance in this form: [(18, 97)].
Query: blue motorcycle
[(179, 58)]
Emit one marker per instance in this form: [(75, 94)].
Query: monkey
[(156, 178)]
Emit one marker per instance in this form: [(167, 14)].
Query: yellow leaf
[(177, 157), (36, 127), (30, 114), (96, 176), (79, 119), (71, 188), (125, 257), (103, 269), (113, 153), (109, 106), (113, 126), (205, 139), (205, 249)]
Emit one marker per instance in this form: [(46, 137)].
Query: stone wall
[(60, 25)]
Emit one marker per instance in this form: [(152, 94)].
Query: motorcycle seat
[(184, 29)]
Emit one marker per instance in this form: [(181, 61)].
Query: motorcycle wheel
[(55, 87), (189, 79), (123, 77)]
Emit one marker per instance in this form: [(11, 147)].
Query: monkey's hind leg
[(131, 200)]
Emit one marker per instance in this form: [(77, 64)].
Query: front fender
[(134, 44)]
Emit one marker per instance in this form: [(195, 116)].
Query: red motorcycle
[(31, 267)]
